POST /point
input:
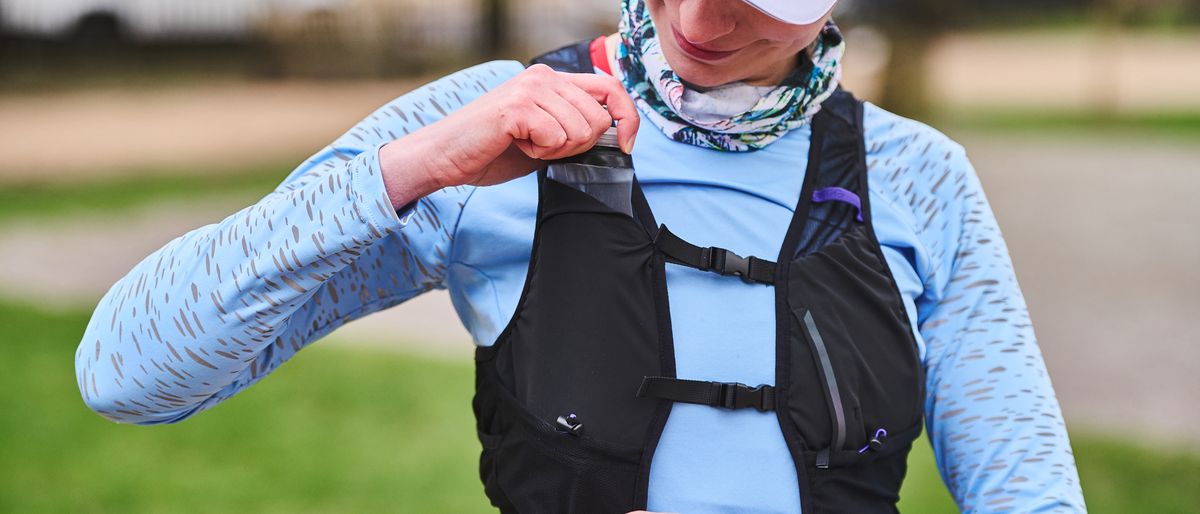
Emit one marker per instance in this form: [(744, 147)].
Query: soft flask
[(604, 172)]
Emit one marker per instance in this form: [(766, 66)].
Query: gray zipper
[(839, 415)]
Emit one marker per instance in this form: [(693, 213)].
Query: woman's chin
[(701, 74)]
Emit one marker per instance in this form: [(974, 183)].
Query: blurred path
[(70, 262), (1104, 237), (210, 126), (1150, 71), (1102, 232)]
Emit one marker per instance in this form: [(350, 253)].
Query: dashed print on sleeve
[(219, 308), (996, 427)]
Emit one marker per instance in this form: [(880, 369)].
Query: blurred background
[(124, 124)]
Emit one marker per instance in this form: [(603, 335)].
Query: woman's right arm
[(215, 310)]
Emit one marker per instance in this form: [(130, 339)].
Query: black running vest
[(573, 395)]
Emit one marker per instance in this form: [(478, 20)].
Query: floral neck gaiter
[(659, 92)]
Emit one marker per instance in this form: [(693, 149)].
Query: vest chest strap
[(729, 395), (714, 259)]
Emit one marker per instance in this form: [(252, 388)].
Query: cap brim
[(796, 12)]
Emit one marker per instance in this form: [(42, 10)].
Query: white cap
[(797, 12)]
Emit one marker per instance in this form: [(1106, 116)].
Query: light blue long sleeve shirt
[(220, 307)]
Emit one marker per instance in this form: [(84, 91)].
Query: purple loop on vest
[(838, 194)]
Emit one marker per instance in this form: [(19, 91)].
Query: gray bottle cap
[(609, 139)]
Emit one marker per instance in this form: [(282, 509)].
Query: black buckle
[(725, 262), (736, 395)]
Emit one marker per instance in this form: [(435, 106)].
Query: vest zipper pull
[(569, 424), (823, 459), (877, 442)]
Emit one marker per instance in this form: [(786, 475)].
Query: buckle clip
[(725, 262), (736, 395)]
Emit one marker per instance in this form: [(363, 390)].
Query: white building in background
[(152, 20), (450, 24)]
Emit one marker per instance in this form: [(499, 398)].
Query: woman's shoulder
[(890, 135), (921, 177), (914, 163)]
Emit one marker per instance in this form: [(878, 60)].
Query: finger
[(597, 116), (609, 91), (512, 163), (612, 94), (538, 134), (573, 122)]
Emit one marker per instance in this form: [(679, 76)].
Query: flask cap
[(609, 139)]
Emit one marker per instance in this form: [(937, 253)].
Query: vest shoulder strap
[(843, 106), (837, 173)]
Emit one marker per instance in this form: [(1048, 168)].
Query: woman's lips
[(697, 52)]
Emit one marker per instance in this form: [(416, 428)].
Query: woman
[(732, 104)]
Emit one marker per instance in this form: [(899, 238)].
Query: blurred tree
[(1107, 16), (494, 23), (911, 27)]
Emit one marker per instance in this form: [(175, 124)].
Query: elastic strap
[(838, 194)]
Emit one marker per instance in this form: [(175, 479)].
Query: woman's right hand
[(538, 115)]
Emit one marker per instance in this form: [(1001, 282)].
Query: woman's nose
[(701, 21)]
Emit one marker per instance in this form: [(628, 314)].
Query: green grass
[(42, 198), (1182, 124), (337, 430)]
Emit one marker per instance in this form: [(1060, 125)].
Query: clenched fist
[(540, 114)]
